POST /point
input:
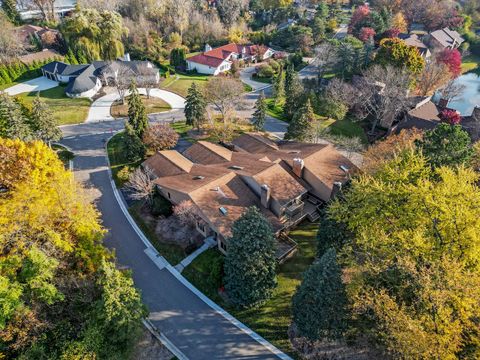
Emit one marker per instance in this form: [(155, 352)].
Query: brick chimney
[(298, 165), (443, 103), (265, 196)]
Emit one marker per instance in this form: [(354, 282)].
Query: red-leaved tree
[(453, 59), (366, 34), (391, 33), (450, 116), (360, 14)]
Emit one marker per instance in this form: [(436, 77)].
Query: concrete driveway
[(100, 109), (37, 84), (246, 77)]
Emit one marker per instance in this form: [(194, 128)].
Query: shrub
[(160, 137), (124, 173), (265, 71)]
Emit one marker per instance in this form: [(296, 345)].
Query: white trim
[(184, 281)]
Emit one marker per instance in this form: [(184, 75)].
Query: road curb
[(183, 280)]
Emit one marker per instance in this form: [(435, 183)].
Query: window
[(223, 245), (168, 194)]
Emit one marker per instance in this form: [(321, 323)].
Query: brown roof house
[(414, 40), (445, 38), (287, 181)]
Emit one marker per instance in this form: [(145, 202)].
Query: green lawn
[(65, 109), (272, 319), (262, 79), (471, 63), (179, 83), (275, 110)]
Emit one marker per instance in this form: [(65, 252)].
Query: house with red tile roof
[(219, 60)]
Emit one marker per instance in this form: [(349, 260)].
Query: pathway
[(246, 77), (37, 84), (207, 244)]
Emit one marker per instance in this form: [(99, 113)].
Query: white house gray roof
[(83, 82)]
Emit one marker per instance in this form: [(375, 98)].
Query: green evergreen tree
[(446, 145), (319, 305), (195, 107), (278, 86), (42, 122), (10, 9), (137, 115), (260, 113), (134, 148), (293, 93), (250, 262), (13, 123), (301, 127), (331, 234)]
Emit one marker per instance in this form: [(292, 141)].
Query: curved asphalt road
[(196, 329)]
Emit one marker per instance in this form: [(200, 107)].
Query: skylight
[(236, 167), (223, 210), (198, 177)]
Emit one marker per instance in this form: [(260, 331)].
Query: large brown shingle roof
[(204, 152), (168, 163)]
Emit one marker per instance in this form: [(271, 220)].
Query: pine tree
[(42, 122), (195, 106), (10, 9), (319, 305), (250, 262), (135, 150), (260, 112), (13, 123), (293, 93), (278, 87), (137, 115), (302, 125)]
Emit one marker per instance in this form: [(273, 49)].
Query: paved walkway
[(37, 84), (207, 244), (100, 109)]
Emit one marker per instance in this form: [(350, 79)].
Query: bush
[(124, 174), (265, 71), (160, 137), (160, 205), (275, 65)]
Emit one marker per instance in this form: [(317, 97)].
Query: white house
[(218, 60)]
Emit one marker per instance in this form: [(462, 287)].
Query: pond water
[(470, 96)]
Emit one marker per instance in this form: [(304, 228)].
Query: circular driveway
[(100, 108)]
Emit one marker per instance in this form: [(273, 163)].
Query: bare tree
[(433, 76), (224, 93), (147, 77), (10, 44), (120, 76), (326, 58), (452, 90), (141, 185), (186, 213), (47, 8), (383, 94), (341, 91)]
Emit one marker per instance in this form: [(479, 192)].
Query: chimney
[(443, 103), (207, 48), (265, 196), (298, 165), (337, 187), (476, 113)]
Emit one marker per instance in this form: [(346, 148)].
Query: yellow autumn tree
[(413, 263), (399, 22), (54, 270)]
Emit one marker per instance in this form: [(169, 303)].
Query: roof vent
[(223, 211), (294, 152), (198, 177), (344, 168), (236, 167)]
